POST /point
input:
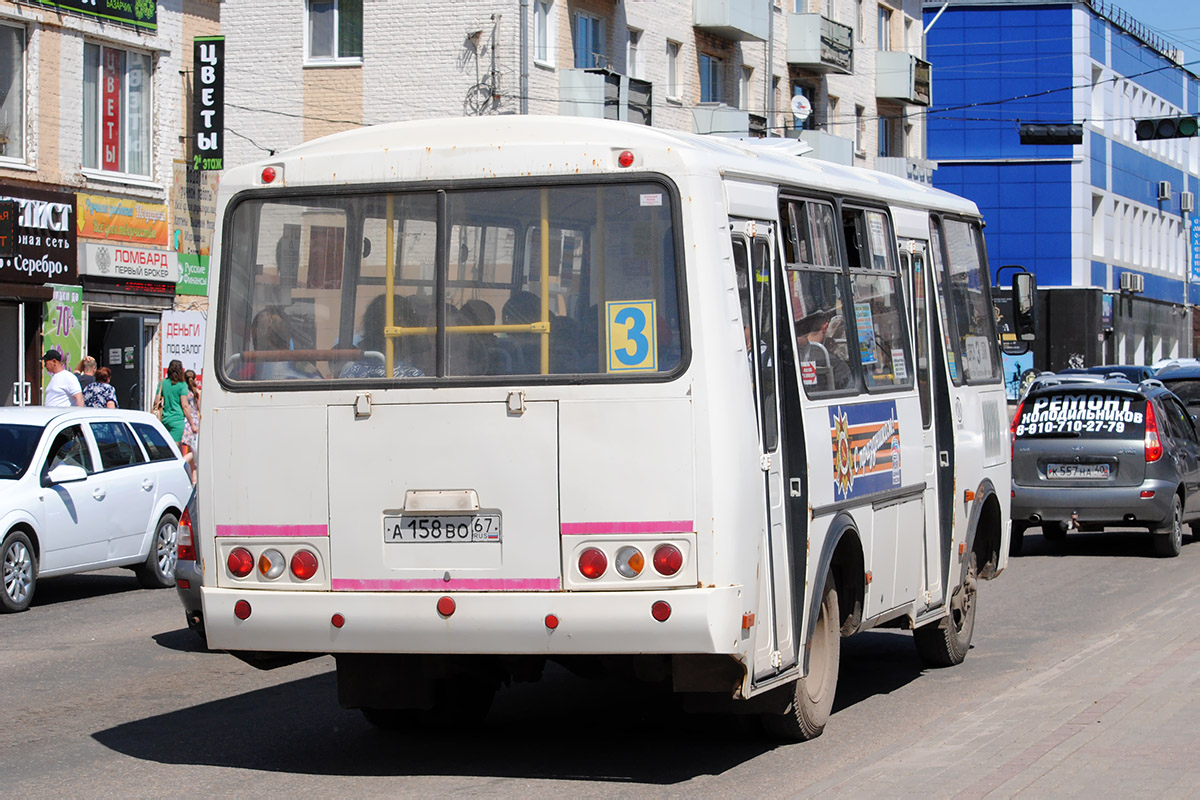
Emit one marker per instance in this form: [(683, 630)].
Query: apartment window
[(589, 42), (12, 92), (887, 147), (633, 54), (744, 88), (673, 69), (711, 69), (885, 28), (334, 30), (860, 130), (543, 32), (810, 94), (116, 110)]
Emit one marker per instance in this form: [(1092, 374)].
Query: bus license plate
[(442, 528), (1098, 471)]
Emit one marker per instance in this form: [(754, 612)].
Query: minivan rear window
[(1084, 414)]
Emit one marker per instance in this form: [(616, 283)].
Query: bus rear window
[(559, 280), (1088, 415)]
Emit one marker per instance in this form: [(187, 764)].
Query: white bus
[(492, 392)]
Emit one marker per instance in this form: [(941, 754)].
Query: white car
[(84, 489)]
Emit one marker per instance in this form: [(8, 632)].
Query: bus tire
[(945, 643), (812, 698), (1017, 540)]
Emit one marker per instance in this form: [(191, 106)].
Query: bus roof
[(525, 146)]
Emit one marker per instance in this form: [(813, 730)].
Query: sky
[(1177, 21)]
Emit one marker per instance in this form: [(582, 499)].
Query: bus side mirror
[(1024, 295)]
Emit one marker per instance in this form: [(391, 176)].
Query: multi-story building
[(92, 121), (723, 67), (1104, 222)]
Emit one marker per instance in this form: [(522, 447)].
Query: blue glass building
[(1079, 216)]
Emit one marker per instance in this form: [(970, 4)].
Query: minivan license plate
[(1085, 471), (407, 528)]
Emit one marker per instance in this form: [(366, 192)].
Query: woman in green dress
[(175, 407)]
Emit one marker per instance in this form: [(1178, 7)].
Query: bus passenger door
[(916, 278), (754, 260)]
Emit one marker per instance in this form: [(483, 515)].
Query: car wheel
[(812, 698), (19, 572), (158, 571), (945, 643), (1017, 539), (1168, 541)]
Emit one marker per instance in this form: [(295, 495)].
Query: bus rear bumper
[(700, 621)]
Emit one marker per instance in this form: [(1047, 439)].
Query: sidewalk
[(1120, 719)]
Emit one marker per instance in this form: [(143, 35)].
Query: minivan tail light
[(1012, 431), (184, 549), (1154, 449)]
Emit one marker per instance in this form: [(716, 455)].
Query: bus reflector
[(747, 621), (592, 563), (625, 159), (661, 610), (241, 609), (304, 564), (337, 620), (667, 559), (446, 606), (240, 562), (551, 621)]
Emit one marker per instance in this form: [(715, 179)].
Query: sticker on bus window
[(866, 448), (632, 335), (808, 373), (899, 365), (866, 332), (651, 199)]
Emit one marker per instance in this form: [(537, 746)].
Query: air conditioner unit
[(1133, 282), (1164, 190), (1187, 202)]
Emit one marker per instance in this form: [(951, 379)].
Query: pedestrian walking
[(173, 391), (86, 371), (100, 393), (64, 389)]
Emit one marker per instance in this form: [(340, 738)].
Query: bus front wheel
[(945, 643), (812, 698)]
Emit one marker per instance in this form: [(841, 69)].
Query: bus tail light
[(185, 550), (630, 562), (592, 563), (240, 562), (304, 564), (667, 560), (1154, 448), (271, 564)]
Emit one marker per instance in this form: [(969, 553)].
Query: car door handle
[(98, 494), (147, 484)]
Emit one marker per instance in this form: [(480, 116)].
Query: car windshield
[(1187, 390), (1083, 413), (17, 443)]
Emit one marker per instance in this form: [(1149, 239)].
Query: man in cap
[(819, 368), (63, 390)]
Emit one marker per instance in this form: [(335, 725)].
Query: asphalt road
[(1082, 679)]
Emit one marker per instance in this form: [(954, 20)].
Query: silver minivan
[(1112, 454)]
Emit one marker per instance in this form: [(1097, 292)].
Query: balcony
[(902, 77), (604, 94), (739, 20), (826, 146), (718, 119), (914, 169), (818, 44)]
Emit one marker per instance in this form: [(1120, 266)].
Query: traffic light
[(1166, 128), (1043, 133)]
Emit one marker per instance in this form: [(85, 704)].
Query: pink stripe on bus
[(653, 526), (272, 530), (453, 585)]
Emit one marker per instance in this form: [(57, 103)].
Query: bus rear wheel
[(945, 643), (812, 698)]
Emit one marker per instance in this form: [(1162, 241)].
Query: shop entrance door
[(123, 351)]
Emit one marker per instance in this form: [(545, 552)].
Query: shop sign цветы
[(122, 219), (208, 104), (125, 261), (45, 237)]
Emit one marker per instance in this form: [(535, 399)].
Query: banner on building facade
[(193, 275), (45, 237), (208, 102), (1195, 249), (138, 13), (193, 208), (122, 219), (128, 261), (183, 339), (62, 327)]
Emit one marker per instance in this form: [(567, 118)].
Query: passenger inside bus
[(814, 344), (373, 343), (271, 334)]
